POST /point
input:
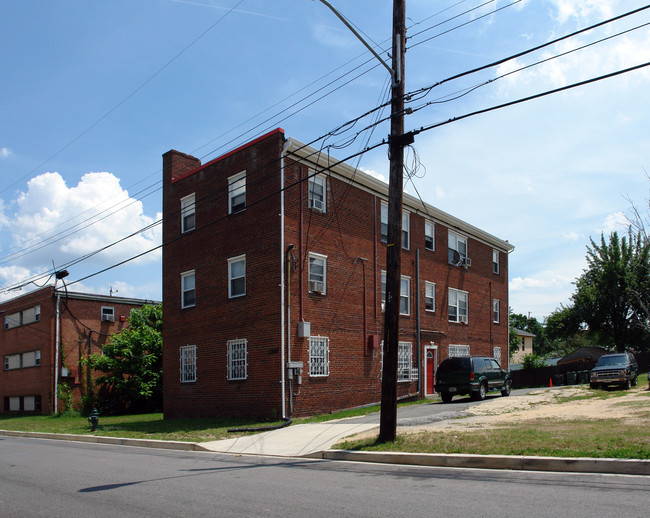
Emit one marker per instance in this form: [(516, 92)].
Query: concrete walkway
[(291, 441)]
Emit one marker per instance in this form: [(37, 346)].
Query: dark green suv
[(473, 375)]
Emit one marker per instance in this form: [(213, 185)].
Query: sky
[(93, 93)]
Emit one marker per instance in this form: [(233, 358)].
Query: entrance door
[(430, 369)]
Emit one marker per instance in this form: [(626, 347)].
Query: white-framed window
[(108, 314), (188, 213), (429, 235), (495, 261), (188, 363), (405, 296), (188, 289), (456, 350), (37, 358), (404, 361), (30, 315), (384, 222), (237, 192), (495, 311), (457, 305), (318, 193), (319, 356), (406, 230), (318, 273), (429, 296), (13, 361), (237, 276), (237, 359), (13, 320), (457, 252)]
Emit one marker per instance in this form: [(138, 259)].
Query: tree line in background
[(610, 307)]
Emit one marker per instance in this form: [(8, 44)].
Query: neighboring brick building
[(30, 334), (268, 267)]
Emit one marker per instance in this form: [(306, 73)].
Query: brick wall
[(347, 233)]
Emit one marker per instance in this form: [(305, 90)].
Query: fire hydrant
[(93, 418)]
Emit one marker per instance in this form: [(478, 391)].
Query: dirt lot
[(557, 403)]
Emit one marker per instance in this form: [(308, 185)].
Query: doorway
[(430, 363)]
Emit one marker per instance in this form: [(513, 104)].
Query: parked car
[(473, 375), (618, 369)]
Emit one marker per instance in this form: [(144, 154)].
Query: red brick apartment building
[(272, 285), (45, 335)]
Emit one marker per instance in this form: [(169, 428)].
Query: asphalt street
[(58, 478)]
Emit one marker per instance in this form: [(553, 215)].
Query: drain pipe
[(285, 147), (56, 354), (418, 338)]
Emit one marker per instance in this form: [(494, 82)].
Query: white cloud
[(54, 222), (582, 11), (5, 152), (572, 236), (615, 222), (375, 174)]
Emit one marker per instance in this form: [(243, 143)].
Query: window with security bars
[(188, 363), (456, 351), (319, 356), (237, 354), (404, 361)]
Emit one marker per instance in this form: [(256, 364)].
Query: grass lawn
[(614, 438)]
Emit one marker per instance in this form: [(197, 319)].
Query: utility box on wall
[(304, 329), (372, 344)]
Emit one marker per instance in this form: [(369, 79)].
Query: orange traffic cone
[(550, 382)]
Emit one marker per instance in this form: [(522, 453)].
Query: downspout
[(285, 147), (56, 353), (417, 318)]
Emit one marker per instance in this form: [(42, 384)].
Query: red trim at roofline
[(244, 146)]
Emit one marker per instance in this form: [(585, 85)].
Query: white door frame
[(428, 348)]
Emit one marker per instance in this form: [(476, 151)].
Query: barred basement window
[(188, 363), (458, 350), (237, 354), (319, 356), (404, 361)]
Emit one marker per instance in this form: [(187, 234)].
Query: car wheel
[(507, 388), (634, 381), (627, 385), (480, 394), (446, 397), (593, 386)]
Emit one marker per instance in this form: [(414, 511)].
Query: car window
[(455, 365), (612, 359), (495, 365)]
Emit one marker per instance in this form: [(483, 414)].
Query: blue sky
[(93, 93)]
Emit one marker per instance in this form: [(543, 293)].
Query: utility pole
[(397, 141)]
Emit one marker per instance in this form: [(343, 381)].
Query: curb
[(442, 460), (98, 439), (514, 462)]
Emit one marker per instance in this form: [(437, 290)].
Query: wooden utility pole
[(397, 141)]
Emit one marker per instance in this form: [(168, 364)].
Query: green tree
[(132, 365), (564, 326), (612, 292)]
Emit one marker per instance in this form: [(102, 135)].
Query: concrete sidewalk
[(291, 441)]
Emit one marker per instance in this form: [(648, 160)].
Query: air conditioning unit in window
[(316, 286), (108, 318), (317, 204), (462, 318)]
